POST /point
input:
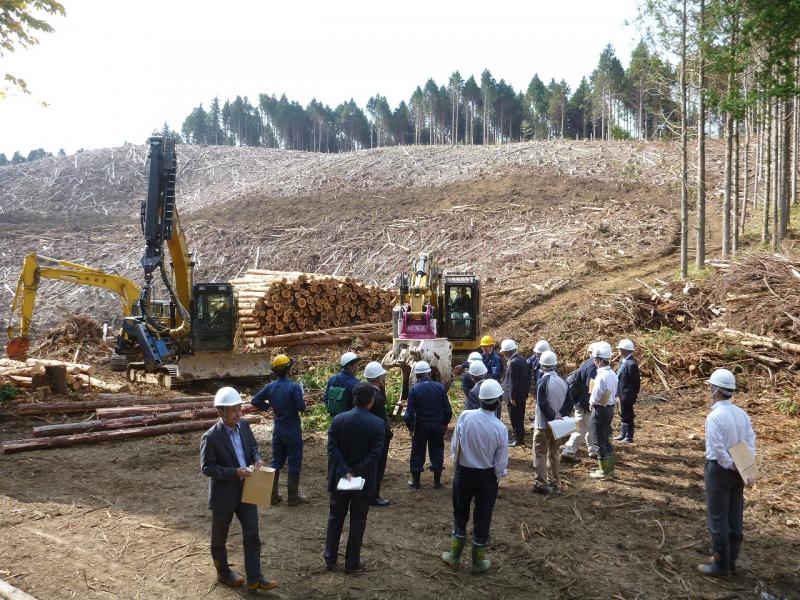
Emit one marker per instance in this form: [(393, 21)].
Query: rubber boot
[(295, 497), (603, 469), (736, 544), (480, 564), (623, 432), (612, 462), (276, 498), (414, 481), (629, 431), (453, 556), (437, 480), (720, 561)]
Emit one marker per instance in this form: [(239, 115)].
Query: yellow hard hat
[(281, 361), (487, 340)]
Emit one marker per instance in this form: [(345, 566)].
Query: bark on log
[(123, 423), (764, 340), (75, 367), (130, 411), (102, 385), (63, 441), (103, 401)]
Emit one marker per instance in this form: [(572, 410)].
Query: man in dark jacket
[(491, 359), (338, 396), (629, 383), (582, 437), (228, 456), (355, 444), (375, 375), (516, 387), (427, 414), (285, 398)]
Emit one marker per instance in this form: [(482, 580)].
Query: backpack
[(337, 400), (576, 389)]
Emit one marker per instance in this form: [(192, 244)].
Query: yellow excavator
[(34, 269), (436, 317)]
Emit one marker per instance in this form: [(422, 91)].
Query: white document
[(354, 485), (745, 461), (562, 427)]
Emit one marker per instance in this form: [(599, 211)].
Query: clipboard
[(562, 427), (745, 461), (258, 487)]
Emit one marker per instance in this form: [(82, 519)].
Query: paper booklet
[(258, 487), (562, 427), (354, 485), (745, 461)]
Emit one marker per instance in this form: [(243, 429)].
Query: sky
[(114, 70)]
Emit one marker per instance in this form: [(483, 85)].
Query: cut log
[(123, 423), (103, 401), (63, 441), (102, 385), (75, 367), (130, 411), (9, 592), (763, 340), (56, 376)]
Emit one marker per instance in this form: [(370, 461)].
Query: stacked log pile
[(53, 376), (279, 303), (118, 417)]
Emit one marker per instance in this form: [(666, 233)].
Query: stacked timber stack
[(277, 303), (54, 375)]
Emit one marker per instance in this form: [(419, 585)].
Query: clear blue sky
[(113, 71)]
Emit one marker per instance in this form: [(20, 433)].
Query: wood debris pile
[(76, 337), (279, 303)]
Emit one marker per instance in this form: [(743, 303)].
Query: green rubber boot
[(453, 556), (611, 464), (480, 564), (603, 470)]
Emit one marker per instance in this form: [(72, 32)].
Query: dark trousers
[(724, 508), (287, 445), (626, 413), (220, 525), (382, 461), (480, 484), (358, 504), (430, 436), (600, 424), (516, 414)]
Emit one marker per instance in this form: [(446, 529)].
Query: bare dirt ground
[(129, 520)]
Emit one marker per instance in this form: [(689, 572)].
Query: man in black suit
[(630, 382), (355, 444), (228, 456)]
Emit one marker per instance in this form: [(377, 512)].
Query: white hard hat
[(548, 359), (508, 346), (490, 390), (541, 346), (474, 356), (591, 348), (422, 367), (374, 370), (227, 396), (347, 358), (602, 350), (477, 368), (723, 378), (625, 344)]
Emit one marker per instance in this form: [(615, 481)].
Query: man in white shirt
[(601, 402), (479, 449), (726, 426)]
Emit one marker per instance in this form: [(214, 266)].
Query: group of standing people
[(359, 435)]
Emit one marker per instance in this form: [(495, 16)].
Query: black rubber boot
[(736, 544), (276, 498), (295, 497), (414, 481), (437, 480), (629, 433), (623, 432)]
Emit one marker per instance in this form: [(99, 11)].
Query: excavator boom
[(34, 269)]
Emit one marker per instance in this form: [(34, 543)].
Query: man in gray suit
[(228, 456)]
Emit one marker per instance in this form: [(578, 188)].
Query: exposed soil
[(129, 520)]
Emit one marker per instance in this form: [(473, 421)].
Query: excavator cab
[(462, 310), (213, 318)]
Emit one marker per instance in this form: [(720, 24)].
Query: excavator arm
[(34, 269)]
